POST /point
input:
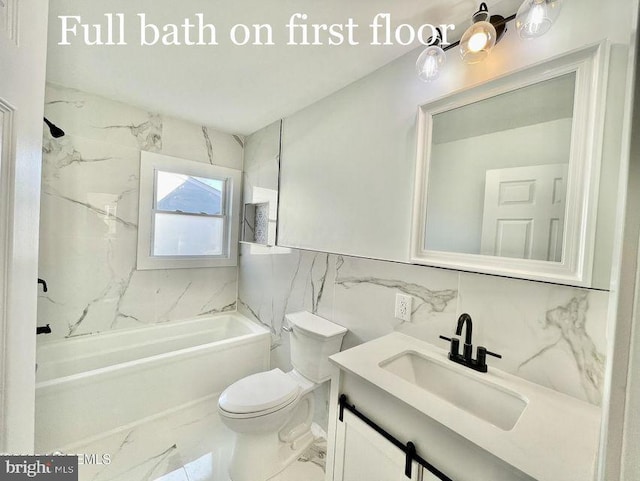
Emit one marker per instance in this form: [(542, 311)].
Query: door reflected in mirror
[(498, 173)]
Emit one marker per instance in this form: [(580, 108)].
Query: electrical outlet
[(403, 307)]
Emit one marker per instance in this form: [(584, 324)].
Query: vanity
[(465, 425)]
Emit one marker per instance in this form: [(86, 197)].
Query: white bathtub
[(93, 384)]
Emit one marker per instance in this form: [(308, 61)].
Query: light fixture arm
[(436, 39), (482, 14)]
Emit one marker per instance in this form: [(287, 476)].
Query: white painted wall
[(621, 424), (348, 161)]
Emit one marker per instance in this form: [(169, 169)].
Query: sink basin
[(467, 391)]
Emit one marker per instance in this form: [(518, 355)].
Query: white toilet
[(271, 412)]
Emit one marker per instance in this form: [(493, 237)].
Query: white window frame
[(150, 164)]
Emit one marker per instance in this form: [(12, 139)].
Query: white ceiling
[(237, 89)]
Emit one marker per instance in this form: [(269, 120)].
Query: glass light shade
[(477, 42), (535, 17), (430, 62)]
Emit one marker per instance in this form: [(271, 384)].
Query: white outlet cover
[(403, 307)]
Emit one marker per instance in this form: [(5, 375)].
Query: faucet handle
[(499, 356), (455, 346), (481, 358)]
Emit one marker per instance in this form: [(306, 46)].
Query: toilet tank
[(313, 340)]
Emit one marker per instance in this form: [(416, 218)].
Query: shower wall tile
[(552, 335), (95, 175), (92, 117), (89, 218), (203, 144), (170, 296)]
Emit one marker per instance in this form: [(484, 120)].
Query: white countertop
[(555, 439)]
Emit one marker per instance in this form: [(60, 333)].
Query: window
[(188, 214)]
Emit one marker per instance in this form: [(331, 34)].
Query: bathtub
[(91, 385)]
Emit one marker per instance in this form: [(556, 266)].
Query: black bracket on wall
[(409, 449)]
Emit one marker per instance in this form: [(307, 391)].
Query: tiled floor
[(188, 445)]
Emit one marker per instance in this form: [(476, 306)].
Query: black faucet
[(43, 329), (466, 358), (465, 319)]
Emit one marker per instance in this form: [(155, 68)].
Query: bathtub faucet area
[(43, 329)]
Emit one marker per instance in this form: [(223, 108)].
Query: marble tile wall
[(552, 335), (89, 215)]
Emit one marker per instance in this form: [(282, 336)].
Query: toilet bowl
[(271, 412)]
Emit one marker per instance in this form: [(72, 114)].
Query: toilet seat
[(259, 394)]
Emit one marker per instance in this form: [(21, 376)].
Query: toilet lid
[(259, 392)]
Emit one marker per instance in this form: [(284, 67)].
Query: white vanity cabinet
[(356, 452), (397, 398), (426, 475), (362, 454)]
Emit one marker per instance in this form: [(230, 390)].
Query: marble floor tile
[(187, 445)]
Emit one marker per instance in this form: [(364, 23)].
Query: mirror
[(505, 173), (498, 173)]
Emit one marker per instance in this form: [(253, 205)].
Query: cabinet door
[(427, 476), (362, 454)]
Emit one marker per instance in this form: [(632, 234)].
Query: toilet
[(271, 412)]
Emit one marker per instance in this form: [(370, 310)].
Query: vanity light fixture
[(535, 17), (482, 36), (431, 59)]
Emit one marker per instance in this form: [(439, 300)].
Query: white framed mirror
[(507, 173)]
